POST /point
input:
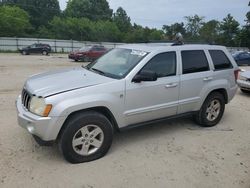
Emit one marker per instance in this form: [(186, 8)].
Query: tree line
[(94, 20)]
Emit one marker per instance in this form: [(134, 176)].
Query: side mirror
[(146, 76)]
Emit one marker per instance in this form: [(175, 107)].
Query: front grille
[(26, 98)]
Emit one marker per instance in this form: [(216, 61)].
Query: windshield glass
[(117, 63)]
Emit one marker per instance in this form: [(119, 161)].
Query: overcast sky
[(155, 13)]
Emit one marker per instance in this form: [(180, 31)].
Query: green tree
[(72, 28), (41, 12), (210, 31), (140, 34), (84, 29), (122, 20), (243, 38), (229, 29), (13, 21), (193, 26), (172, 30), (91, 9), (106, 31)]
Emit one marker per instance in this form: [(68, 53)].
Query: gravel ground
[(176, 153)]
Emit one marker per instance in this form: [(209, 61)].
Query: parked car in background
[(130, 85), (88, 54), (244, 81), (242, 58), (37, 48)]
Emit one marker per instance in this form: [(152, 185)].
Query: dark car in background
[(37, 48), (88, 54), (242, 58)]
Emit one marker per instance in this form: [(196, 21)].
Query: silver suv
[(129, 86)]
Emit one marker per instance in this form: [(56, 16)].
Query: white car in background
[(244, 81)]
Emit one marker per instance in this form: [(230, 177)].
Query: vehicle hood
[(55, 82), (245, 74)]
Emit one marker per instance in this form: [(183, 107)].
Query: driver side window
[(163, 64)]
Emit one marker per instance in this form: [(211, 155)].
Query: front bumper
[(46, 128), (244, 84)]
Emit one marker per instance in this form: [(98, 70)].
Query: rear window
[(194, 61), (220, 60)]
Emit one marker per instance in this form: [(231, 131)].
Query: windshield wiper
[(98, 71)]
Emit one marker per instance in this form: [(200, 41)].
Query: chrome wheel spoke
[(217, 106), (77, 142), (84, 131), (215, 114), (209, 116), (96, 143), (95, 132), (84, 150)]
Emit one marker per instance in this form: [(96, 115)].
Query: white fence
[(13, 44)]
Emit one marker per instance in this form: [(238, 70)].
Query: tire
[(76, 60), (44, 52), (245, 91), (76, 143), (24, 53), (211, 111)]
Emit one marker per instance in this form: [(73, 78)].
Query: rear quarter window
[(194, 61), (220, 60)]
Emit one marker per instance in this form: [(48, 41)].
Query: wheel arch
[(100, 109), (223, 91)]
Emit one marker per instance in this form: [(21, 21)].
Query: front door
[(156, 99)]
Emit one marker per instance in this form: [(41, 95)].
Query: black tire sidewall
[(203, 118), (76, 123)]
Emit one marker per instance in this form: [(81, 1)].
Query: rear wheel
[(87, 137), (24, 53), (211, 111), (44, 52)]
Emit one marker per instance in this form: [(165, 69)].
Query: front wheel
[(87, 137), (211, 111)]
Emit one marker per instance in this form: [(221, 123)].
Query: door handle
[(208, 78), (172, 85)]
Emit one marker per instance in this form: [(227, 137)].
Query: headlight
[(242, 78), (39, 107)]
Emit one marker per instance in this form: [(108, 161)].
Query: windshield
[(117, 63)]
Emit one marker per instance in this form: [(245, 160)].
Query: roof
[(150, 47)]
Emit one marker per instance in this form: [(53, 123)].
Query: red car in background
[(88, 54)]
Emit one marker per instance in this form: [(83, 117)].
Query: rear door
[(196, 75)]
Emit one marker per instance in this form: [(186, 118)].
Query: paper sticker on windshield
[(138, 53)]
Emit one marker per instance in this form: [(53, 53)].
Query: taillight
[(236, 74)]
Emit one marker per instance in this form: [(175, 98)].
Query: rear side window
[(220, 60), (194, 61), (163, 64)]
